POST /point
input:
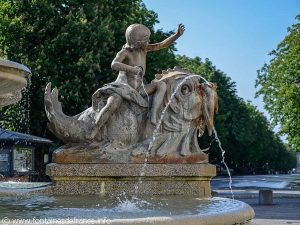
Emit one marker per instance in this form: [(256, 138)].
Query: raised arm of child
[(168, 41)]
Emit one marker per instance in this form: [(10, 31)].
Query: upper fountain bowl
[(13, 77)]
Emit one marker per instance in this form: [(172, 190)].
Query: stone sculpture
[(117, 127), (131, 64)]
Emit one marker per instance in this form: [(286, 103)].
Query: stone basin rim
[(239, 215), (13, 77), (14, 65)]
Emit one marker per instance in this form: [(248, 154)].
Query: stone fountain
[(139, 139), (13, 78), (112, 161), (136, 140)]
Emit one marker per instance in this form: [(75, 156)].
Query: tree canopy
[(72, 43), (276, 82)]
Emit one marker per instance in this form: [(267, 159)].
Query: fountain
[(13, 78), (120, 166)]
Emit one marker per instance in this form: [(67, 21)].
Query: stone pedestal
[(158, 179)]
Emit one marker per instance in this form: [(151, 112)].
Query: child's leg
[(113, 103), (159, 89)]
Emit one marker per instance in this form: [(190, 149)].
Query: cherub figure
[(131, 64)]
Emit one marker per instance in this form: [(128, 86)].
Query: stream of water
[(223, 161), (28, 105)]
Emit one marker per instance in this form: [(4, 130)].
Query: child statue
[(131, 64)]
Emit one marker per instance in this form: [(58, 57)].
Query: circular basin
[(159, 210)]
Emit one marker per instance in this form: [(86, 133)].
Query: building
[(23, 155)]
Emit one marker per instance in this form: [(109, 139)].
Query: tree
[(276, 82), (70, 43)]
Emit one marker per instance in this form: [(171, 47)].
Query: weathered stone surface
[(129, 119), (93, 153), (131, 170), (13, 77), (128, 134), (158, 179)]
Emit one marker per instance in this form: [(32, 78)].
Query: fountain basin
[(175, 194), (22, 185), (120, 210), (13, 77)]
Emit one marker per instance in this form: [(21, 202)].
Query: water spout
[(223, 161)]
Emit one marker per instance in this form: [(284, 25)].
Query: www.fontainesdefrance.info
[(68, 220)]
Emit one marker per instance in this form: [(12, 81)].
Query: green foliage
[(250, 144), (276, 82), (71, 44), (16, 117)]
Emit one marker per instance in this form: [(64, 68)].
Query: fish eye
[(185, 89)]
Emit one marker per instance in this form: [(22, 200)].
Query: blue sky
[(236, 35)]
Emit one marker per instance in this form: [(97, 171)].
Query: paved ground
[(274, 222), (286, 202), (284, 210)]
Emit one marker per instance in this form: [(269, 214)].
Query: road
[(285, 181), (286, 192)]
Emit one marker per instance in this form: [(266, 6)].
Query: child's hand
[(138, 70), (180, 30)]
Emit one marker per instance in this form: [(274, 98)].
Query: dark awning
[(16, 137)]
